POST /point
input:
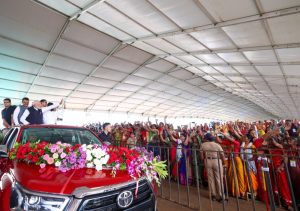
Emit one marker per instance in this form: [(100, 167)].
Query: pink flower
[(46, 157), (63, 155), (53, 148), (42, 165), (50, 161), (60, 150)]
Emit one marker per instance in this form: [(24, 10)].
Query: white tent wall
[(196, 59), (79, 118)]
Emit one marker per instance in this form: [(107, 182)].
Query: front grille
[(108, 201)]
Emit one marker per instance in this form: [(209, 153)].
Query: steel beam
[(257, 48), (271, 39), (95, 69), (91, 106), (49, 55), (267, 15), (213, 20), (209, 50), (226, 64), (85, 9), (63, 29)]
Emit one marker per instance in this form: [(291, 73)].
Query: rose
[(63, 155), (75, 147), (50, 161), (42, 165), (29, 157), (41, 152), (53, 148), (46, 157), (55, 155), (57, 163), (35, 159)]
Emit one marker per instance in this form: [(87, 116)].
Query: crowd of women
[(252, 152), (260, 159)]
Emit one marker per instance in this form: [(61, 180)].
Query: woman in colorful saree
[(260, 144), (186, 176), (250, 171), (236, 178), (174, 153), (278, 158), (183, 153), (294, 167)]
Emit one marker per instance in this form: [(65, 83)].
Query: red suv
[(24, 187)]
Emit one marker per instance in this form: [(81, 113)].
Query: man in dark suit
[(105, 136), (33, 115), (7, 113)]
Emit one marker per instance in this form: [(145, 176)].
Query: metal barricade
[(187, 182)]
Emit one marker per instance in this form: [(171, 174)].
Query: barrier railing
[(246, 181)]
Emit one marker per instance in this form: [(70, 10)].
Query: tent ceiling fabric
[(193, 58)]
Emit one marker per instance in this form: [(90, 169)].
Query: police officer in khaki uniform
[(214, 159)]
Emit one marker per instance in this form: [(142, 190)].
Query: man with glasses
[(7, 113)]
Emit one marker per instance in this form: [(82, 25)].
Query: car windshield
[(65, 135)]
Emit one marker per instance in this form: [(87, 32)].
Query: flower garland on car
[(138, 162)]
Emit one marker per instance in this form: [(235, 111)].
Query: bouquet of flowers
[(148, 165), (138, 162)]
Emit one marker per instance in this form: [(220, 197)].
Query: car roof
[(50, 126)]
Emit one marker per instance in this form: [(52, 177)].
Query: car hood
[(51, 180)]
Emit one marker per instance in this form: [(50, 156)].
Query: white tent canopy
[(233, 59)]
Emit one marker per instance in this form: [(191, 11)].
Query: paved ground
[(163, 204), (169, 196)]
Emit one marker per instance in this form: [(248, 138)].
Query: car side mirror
[(3, 151)]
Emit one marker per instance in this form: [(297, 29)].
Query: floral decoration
[(137, 162)]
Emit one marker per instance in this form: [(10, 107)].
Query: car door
[(6, 180), (8, 142)]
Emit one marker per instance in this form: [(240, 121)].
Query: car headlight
[(22, 199)]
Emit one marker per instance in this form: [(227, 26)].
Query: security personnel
[(214, 158)]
